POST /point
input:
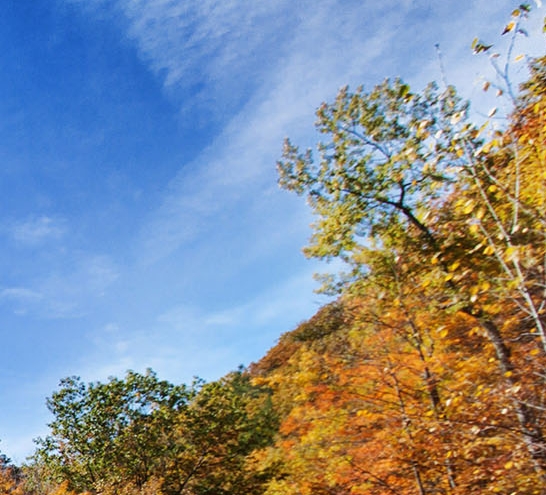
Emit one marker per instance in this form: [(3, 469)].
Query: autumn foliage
[(435, 381)]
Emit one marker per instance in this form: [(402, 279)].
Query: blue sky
[(141, 222)]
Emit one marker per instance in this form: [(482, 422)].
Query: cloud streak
[(37, 230), (239, 165), (273, 64), (64, 293)]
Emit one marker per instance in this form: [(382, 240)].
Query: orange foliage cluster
[(433, 379)]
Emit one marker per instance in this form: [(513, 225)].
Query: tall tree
[(405, 175)]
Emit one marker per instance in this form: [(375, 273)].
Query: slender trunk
[(432, 390), (532, 434), (406, 421), (418, 479)]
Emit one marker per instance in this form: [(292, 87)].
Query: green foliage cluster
[(125, 436), (114, 432)]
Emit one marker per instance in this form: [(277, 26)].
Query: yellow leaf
[(480, 213), (443, 333), (513, 284), (508, 374), (509, 27), (509, 465), (448, 277), (519, 58), (486, 285), (534, 352), (511, 253), (486, 148), (489, 250), (492, 188), (454, 266), (468, 208)]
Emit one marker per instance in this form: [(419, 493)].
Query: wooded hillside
[(425, 376)]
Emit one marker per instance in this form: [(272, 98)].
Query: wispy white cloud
[(21, 299), (274, 63), (20, 293), (211, 56), (64, 293), (201, 46), (239, 165), (37, 230)]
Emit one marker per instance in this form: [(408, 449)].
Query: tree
[(406, 177), (389, 157), (10, 477), (224, 423), (110, 434), (142, 435)]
